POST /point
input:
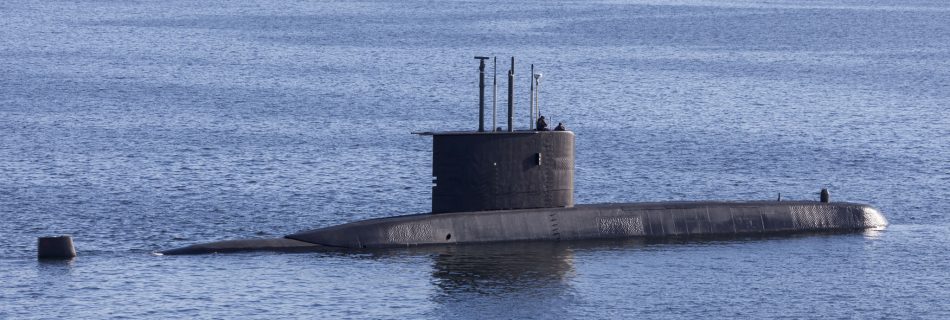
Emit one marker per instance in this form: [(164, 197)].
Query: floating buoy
[(60, 247)]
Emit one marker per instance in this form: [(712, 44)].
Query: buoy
[(60, 247), (825, 196)]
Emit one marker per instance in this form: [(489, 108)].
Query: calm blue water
[(142, 126)]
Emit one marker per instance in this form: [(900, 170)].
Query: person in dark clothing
[(560, 127), (541, 124)]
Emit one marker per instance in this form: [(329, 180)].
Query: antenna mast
[(494, 94), (531, 113), (481, 93), (511, 96)]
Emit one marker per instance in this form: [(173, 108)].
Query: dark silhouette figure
[(541, 124), (560, 127)]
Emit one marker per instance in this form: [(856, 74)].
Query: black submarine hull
[(582, 222)]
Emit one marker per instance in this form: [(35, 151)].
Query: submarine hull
[(599, 221), (230, 246)]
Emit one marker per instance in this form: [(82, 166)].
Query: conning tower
[(477, 171), (499, 170)]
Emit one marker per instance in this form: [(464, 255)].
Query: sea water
[(139, 126)]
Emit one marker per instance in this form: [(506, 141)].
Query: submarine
[(518, 185)]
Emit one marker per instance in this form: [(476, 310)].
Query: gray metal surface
[(502, 170), (601, 221)]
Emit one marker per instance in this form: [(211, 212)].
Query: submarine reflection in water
[(495, 186), (499, 267)]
